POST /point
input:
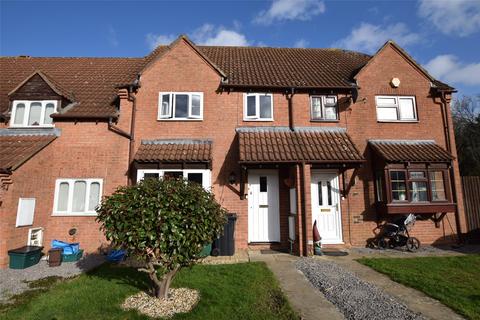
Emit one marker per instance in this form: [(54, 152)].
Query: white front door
[(263, 206), (326, 206)]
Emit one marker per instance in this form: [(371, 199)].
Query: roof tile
[(410, 151), (174, 151)]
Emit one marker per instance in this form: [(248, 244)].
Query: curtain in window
[(79, 195), (35, 113), (316, 107), (265, 107), (19, 114), (94, 196), (49, 110), (195, 110), (437, 186), (63, 196)]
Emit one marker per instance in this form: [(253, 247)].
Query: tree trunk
[(161, 287)]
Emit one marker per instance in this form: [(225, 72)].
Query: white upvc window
[(180, 106), (258, 107), (77, 197), (201, 176), (323, 108), (26, 113), (396, 108), (25, 212)]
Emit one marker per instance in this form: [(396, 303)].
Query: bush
[(165, 223)]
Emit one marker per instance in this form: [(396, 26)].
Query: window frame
[(172, 106), (445, 185), (397, 108), (206, 174), (71, 183), (257, 96), (323, 99), (26, 115)]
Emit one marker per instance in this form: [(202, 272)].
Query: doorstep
[(239, 257)]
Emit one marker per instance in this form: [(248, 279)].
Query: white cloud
[(369, 38), (301, 43), (460, 17), (450, 69), (207, 34), (154, 40), (281, 10)]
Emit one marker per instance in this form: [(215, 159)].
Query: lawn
[(236, 291), (455, 281)]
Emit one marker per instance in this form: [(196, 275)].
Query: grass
[(454, 281), (236, 291)]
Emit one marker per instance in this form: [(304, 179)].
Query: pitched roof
[(174, 150), (280, 144), (92, 81), (410, 151), (16, 149)]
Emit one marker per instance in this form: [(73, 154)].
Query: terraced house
[(284, 137)]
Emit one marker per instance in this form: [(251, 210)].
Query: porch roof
[(303, 144), (174, 150), (410, 151)]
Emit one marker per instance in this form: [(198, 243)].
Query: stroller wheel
[(382, 244), (412, 244)]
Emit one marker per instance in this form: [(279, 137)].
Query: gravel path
[(13, 281), (355, 298)]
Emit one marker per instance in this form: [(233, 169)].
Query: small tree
[(165, 223)]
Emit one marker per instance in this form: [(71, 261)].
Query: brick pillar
[(307, 195), (299, 236)]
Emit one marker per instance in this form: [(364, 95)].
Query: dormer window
[(33, 113)]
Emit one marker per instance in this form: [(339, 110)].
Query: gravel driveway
[(13, 281), (355, 298)]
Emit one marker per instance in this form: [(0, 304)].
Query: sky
[(442, 35)]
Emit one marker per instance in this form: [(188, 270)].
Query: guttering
[(291, 121), (244, 86)]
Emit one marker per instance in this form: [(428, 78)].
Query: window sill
[(258, 120), (398, 121), (31, 127), (320, 120), (179, 119), (74, 214)]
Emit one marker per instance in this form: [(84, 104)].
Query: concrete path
[(309, 302), (413, 299)]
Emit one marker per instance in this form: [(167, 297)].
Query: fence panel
[(471, 197)]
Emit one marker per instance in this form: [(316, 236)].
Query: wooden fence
[(471, 198)]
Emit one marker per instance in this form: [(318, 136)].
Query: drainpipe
[(304, 214), (446, 128), (290, 109)]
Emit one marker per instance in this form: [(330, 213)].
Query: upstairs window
[(258, 107), (33, 113), (396, 108), (77, 196), (180, 106), (323, 108)]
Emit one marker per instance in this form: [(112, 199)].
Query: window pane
[(417, 175), (35, 113), (19, 113), (49, 110), (386, 101), (155, 176), (418, 191), (316, 107), (263, 184), (330, 113), (437, 186), (181, 105), (379, 186), (265, 107), (407, 109), (173, 175), (251, 110), (79, 195), (195, 177), (386, 113), (63, 197), (320, 194), (94, 196), (195, 105), (399, 187), (330, 101), (165, 107), (329, 192)]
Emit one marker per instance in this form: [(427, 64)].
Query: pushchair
[(396, 234)]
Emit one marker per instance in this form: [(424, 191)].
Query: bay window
[(180, 106), (396, 108), (77, 196), (323, 108), (258, 107), (33, 113)]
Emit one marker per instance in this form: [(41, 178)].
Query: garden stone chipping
[(355, 298)]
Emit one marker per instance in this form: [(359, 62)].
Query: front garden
[(236, 291), (454, 281)]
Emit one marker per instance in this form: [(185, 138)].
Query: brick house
[(284, 137)]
